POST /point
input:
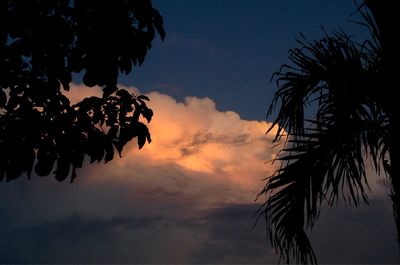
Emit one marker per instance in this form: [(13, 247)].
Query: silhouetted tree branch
[(42, 43)]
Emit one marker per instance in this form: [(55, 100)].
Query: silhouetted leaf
[(158, 23), (63, 169), (3, 98), (125, 95), (147, 114), (90, 79), (46, 156), (108, 90), (118, 146), (143, 134), (143, 97), (73, 175), (109, 149)]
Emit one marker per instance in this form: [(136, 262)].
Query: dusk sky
[(189, 196)]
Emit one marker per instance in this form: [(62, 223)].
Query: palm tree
[(336, 108)]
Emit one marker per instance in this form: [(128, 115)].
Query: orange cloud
[(187, 195), (197, 154), (205, 155)]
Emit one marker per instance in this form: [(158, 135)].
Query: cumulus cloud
[(197, 151), (200, 159), (186, 197)]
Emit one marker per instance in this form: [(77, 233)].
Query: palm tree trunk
[(394, 172), (386, 16)]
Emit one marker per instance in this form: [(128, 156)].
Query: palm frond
[(318, 165), (317, 66), (323, 158)]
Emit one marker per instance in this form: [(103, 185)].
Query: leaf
[(13, 102), (73, 175), (13, 172), (108, 90), (322, 158), (95, 146), (63, 168), (109, 150), (2, 174), (122, 93), (158, 23), (28, 159), (3, 98), (141, 140), (147, 114), (46, 157), (143, 134), (89, 79), (125, 65), (118, 146), (112, 133), (143, 97)]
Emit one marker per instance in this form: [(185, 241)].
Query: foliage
[(332, 117), (42, 43)]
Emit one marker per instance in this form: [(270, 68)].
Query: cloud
[(218, 235), (196, 150), (200, 159), (361, 235), (186, 197), (79, 238), (233, 237)]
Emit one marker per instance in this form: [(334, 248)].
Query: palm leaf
[(323, 157)]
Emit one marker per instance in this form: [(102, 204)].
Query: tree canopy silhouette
[(350, 88), (42, 43)]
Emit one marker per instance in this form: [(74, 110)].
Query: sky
[(190, 195)]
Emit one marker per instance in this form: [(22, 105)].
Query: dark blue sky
[(228, 50), (188, 197)]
